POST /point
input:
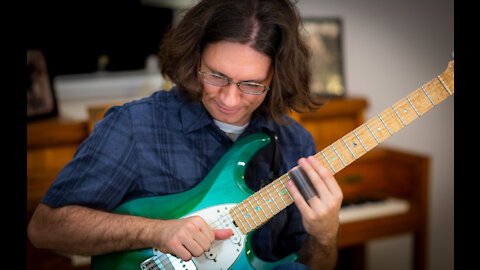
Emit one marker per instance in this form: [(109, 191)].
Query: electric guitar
[(223, 200)]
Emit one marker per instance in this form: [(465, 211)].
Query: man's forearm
[(318, 255), (84, 231)]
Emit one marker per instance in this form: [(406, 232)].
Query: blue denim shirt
[(164, 144)]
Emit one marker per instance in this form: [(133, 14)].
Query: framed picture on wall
[(41, 100), (323, 37)]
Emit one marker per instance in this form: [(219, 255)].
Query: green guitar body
[(223, 184)]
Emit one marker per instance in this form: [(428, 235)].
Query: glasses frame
[(265, 88)]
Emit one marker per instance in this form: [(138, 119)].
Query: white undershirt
[(232, 131)]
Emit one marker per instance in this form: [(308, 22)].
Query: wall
[(390, 49)]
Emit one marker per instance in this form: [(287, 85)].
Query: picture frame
[(323, 36), (41, 101)]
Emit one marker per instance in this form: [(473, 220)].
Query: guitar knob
[(235, 238), (210, 255)]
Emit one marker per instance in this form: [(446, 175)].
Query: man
[(238, 67)]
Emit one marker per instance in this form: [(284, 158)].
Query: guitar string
[(415, 94)]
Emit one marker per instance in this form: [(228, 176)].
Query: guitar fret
[(325, 157), (420, 101), (398, 115), (348, 147), (436, 91), (384, 124), (358, 138), (379, 128), (249, 215), (429, 98), (411, 104), (243, 216), (279, 194), (260, 207), (273, 199), (354, 144), (285, 188), (256, 212), (266, 203), (444, 85), (239, 220), (334, 158), (405, 110), (341, 159), (375, 137), (343, 153)]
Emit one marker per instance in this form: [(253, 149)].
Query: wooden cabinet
[(51, 144)]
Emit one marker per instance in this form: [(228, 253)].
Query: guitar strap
[(274, 171)]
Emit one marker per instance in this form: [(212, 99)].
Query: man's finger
[(300, 202), (315, 178), (222, 234), (326, 176), (181, 252)]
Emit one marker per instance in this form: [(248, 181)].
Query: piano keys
[(370, 209)]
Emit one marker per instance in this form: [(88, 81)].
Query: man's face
[(239, 63)]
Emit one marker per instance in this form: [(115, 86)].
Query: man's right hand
[(187, 237)]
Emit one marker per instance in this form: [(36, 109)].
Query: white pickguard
[(222, 253)]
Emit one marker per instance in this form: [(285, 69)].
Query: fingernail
[(290, 183)]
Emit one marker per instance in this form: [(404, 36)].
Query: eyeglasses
[(221, 81)]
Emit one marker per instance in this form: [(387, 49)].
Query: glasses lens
[(252, 88), (214, 79)]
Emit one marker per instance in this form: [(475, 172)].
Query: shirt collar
[(257, 124), (194, 116)]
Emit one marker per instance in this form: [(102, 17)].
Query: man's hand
[(187, 237), (319, 214), (81, 230)]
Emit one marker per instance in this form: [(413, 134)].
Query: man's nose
[(230, 95)]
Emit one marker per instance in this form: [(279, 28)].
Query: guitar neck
[(274, 197)]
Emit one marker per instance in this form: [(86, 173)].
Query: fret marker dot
[(283, 191), (405, 111), (333, 158), (354, 144), (258, 208), (378, 128), (269, 200)]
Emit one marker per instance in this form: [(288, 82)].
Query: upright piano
[(385, 191)]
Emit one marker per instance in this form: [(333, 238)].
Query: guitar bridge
[(161, 261), (150, 264)]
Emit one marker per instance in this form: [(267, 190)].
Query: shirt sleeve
[(103, 167)]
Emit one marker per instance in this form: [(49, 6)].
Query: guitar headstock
[(450, 66), (448, 78)]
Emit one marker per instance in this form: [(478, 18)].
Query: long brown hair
[(268, 26)]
